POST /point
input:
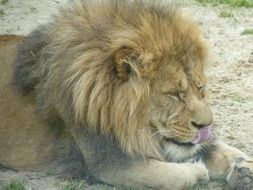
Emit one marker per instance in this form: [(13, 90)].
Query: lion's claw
[(241, 176)]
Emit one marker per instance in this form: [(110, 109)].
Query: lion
[(115, 88)]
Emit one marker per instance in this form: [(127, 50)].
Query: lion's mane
[(76, 66)]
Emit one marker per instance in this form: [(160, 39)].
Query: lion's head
[(133, 70)]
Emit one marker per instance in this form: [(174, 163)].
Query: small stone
[(246, 180), (250, 59), (244, 170)]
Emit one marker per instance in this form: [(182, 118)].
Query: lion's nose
[(201, 115), (199, 126)]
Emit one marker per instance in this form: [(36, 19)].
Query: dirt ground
[(230, 72)]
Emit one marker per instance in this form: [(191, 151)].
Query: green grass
[(226, 14), (3, 1), (238, 99), (79, 185), (14, 185), (233, 3), (198, 187), (74, 185), (216, 182), (247, 32), (1, 12), (123, 188)]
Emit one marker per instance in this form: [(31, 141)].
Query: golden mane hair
[(99, 61)]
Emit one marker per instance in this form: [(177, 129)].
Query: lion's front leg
[(108, 164), (155, 174), (233, 164)]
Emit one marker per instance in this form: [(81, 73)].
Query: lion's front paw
[(240, 176), (198, 173), (203, 174)]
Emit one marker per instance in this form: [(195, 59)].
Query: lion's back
[(26, 143)]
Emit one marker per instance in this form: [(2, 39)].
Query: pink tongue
[(204, 134)]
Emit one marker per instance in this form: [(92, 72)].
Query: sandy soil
[(229, 73)]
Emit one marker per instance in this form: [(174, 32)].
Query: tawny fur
[(107, 81), (84, 78), (26, 143)]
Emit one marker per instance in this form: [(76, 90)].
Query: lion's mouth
[(204, 134)]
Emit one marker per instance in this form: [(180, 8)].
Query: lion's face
[(178, 106), (178, 109), (166, 75)]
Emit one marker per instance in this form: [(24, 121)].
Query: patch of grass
[(14, 185), (1, 12), (74, 185), (226, 14), (33, 9), (220, 181), (216, 182), (248, 32), (124, 188), (233, 3), (238, 99), (198, 187), (3, 1)]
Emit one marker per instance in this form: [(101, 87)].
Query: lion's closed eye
[(178, 94), (201, 88)]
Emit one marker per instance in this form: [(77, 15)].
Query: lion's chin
[(175, 151), (187, 144)]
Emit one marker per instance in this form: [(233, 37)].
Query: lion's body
[(26, 143), (118, 85)]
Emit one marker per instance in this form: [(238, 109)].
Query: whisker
[(156, 133)]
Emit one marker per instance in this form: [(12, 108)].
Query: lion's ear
[(125, 60)]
